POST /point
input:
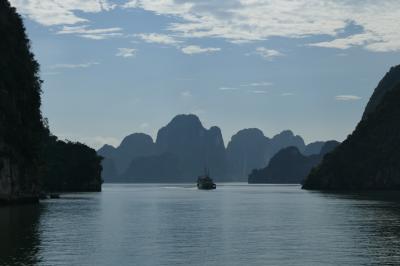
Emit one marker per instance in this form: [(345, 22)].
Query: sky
[(114, 67)]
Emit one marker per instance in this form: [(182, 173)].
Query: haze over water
[(237, 224)]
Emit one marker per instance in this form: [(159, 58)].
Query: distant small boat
[(205, 182)]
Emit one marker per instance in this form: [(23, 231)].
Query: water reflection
[(177, 225), (19, 234), (375, 219)]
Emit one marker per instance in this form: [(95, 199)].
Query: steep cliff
[(388, 82), (21, 127), (369, 158)]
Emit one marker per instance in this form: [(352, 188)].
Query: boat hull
[(206, 186)]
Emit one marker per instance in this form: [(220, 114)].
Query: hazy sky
[(111, 68)]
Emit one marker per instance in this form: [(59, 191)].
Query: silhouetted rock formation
[(313, 148), (70, 166), (155, 169), (117, 160), (133, 146), (329, 146), (21, 127), (247, 150), (369, 158), (109, 173), (290, 166), (189, 147), (388, 82), (286, 139), (27, 150)]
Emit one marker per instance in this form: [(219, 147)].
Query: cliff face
[(21, 127), (369, 158)]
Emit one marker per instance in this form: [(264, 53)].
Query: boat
[(205, 182)]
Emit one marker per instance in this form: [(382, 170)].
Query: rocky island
[(369, 158)]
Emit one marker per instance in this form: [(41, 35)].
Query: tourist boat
[(205, 182)]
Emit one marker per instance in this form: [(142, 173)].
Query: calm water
[(179, 225)]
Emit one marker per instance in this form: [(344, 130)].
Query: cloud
[(53, 12), (285, 94), (258, 84), (363, 39), (268, 54), (241, 21), (194, 49), (126, 52), (95, 34), (81, 65), (228, 89), (347, 98), (186, 94), (259, 91), (158, 38)]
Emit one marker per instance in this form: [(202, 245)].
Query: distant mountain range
[(183, 149), (290, 166)]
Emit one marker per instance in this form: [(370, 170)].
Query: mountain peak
[(389, 81), (186, 119), (135, 138)]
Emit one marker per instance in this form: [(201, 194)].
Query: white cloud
[(363, 39), (240, 21), (158, 38), (58, 12), (95, 34), (268, 54), (228, 89), (194, 49), (186, 94), (259, 91), (347, 98), (285, 94), (258, 84), (81, 65), (126, 52)]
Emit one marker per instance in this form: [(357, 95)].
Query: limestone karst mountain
[(369, 158), (184, 147), (290, 166)]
